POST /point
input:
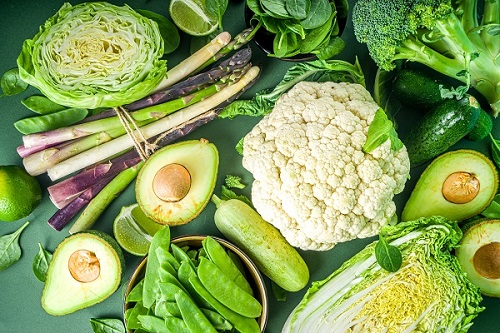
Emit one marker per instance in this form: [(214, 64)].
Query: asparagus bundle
[(108, 149)]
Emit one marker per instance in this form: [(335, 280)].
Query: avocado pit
[(84, 266), (486, 260), (460, 187), (172, 182)]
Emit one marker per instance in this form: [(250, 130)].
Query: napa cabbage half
[(94, 55), (429, 293)]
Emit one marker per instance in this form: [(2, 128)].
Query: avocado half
[(457, 185), (479, 255), (176, 183), (85, 269)]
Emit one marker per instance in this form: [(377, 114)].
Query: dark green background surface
[(20, 291)]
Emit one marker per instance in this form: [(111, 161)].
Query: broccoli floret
[(443, 35)]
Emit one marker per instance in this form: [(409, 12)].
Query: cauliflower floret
[(313, 181)]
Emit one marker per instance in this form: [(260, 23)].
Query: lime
[(20, 193), (133, 230), (192, 17)]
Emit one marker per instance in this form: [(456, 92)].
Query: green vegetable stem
[(449, 38)]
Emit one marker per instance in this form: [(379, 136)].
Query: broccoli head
[(443, 35)]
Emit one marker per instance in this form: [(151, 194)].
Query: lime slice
[(192, 17), (133, 230)]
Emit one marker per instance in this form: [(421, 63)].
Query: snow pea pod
[(219, 322), (194, 318), (241, 324), (181, 255), (166, 277), (42, 105), (153, 324), (176, 325), (50, 121), (184, 272), (221, 259), (135, 295), (165, 309), (226, 291), (161, 240), (164, 255), (132, 314)]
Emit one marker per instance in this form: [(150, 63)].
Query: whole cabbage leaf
[(429, 293), (94, 55)]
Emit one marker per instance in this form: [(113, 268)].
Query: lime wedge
[(192, 17), (133, 230)]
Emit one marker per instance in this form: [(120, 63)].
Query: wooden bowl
[(254, 277)]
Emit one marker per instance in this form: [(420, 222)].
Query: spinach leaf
[(41, 263), (495, 150), (388, 256), (318, 14), (298, 9), (107, 325), (10, 250), (334, 46), (11, 83), (275, 8), (217, 8), (285, 43), (168, 30)]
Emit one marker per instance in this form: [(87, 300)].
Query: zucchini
[(440, 128), (262, 242), (415, 89)]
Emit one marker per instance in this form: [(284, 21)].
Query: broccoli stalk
[(447, 37)]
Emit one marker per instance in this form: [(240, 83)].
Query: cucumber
[(415, 89), (440, 128), (483, 127), (262, 242)]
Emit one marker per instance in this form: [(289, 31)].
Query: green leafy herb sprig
[(388, 256), (10, 250)]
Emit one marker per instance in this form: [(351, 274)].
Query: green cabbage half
[(94, 55), (429, 293)]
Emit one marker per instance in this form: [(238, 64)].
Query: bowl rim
[(256, 279)]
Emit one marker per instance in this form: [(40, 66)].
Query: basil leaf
[(41, 263), (107, 325), (381, 129), (11, 83), (10, 251), (388, 256)]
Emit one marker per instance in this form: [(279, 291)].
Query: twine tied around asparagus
[(143, 147)]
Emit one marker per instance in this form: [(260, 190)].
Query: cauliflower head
[(312, 179)]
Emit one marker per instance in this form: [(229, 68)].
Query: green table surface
[(20, 291)]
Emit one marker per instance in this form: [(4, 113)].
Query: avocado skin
[(478, 233), (427, 200), (58, 286)]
